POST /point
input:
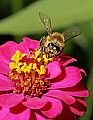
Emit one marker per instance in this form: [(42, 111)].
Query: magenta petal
[(83, 72), (69, 61), (10, 100), (5, 52), (4, 68), (79, 90), (79, 107), (72, 77), (84, 93), (3, 113), (66, 115), (35, 103), (54, 69), (53, 108), (6, 114), (22, 47), (61, 95), (9, 43), (33, 44), (39, 117), (5, 84)]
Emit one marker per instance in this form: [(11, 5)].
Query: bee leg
[(42, 41), (42, 46), (40, 50), (46, 52)]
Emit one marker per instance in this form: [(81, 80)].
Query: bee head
[(53, 49), (55, 43)]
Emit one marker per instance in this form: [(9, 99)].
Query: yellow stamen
[(26, 68), (12, 65), (18, 56), (37, 52), (27, 72), (41, 71), (47, 59), (39, 59), (34, 66)]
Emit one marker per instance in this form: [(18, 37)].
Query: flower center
[(28, 73)]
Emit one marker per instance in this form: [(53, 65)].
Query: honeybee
[(53, 44)]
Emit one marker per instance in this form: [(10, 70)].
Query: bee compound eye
[(57, 49), (50, 45)]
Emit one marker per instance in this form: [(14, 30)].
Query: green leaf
[(61, 12), (16, 5)]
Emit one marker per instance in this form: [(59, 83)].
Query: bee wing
[(71, 33), (46, 21)]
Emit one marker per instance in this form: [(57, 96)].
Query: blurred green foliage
[(20, 18)]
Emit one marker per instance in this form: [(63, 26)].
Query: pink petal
[(25, 45), (38, 117), (6, 51), (69, 61), (21, 47), (84, 93), (22, 114), (33, 44), (63, 58), (66, 115), (35, 103), (61, 95), (9, 48), (70, 77), (5, 84), (10, 100), (83, 72), (3, 113), (53, 108), (10, 43), (54, 69), (79, 90), (4, 68), (79, 107)]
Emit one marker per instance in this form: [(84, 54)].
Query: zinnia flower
[(39, 88)]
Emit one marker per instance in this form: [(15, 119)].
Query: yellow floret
[(26, 68), (41, 71), (12, 65), (37, 52), (47, 59), (18, 56), (34, 66)]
